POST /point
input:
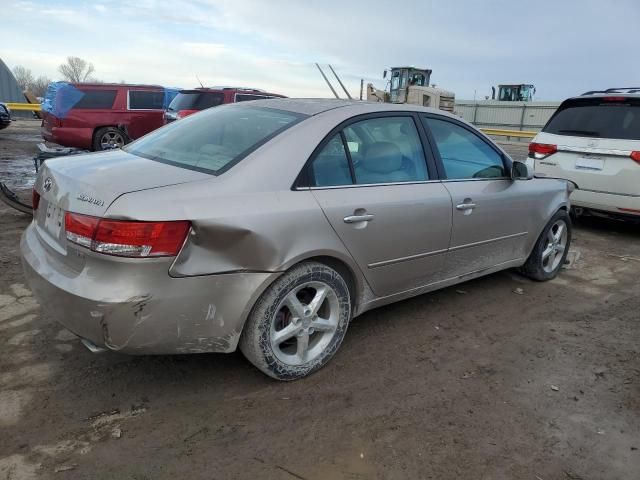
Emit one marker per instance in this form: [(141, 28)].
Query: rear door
[(594, 138), (372, 181), (490, 211), (145, 111)]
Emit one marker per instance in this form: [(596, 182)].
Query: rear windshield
[(597, 118), (96, 99), (196, 100), (215, 140)]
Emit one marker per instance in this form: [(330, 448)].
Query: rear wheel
[(298, 323), (551, 249), (107, 138)]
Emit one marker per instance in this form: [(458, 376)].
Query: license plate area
[(53, 221), (594, 164)]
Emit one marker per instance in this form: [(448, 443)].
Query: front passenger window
[(464, 154)]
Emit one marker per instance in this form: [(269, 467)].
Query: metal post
[(361, 87), (524, 107), (340, 82), (327, 80)]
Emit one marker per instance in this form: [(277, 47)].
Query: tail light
[(185, 113), (635, 156), (125, 238), (541, 150), (35, 199)]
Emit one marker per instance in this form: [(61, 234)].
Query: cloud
[(563, 47)]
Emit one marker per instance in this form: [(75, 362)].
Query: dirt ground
[(498, 378)]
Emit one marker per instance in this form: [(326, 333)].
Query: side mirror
[(384, 74), (521, 171)]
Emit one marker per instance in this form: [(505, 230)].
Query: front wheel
[(551, 249), (298, 323)]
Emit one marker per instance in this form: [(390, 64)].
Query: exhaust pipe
[(92, 347)]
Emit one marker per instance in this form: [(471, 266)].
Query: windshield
[(597, 118), (196, 100), (214, 140)]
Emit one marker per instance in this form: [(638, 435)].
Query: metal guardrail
[(24, 107), (508, 133)]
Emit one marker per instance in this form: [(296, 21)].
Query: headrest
[(382, 157)]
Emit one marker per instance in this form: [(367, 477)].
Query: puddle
[(18, 173)]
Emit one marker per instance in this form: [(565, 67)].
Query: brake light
[(35, 199), (613, 99), (635, 156), (185, 113), (541, 150), (126, 238)]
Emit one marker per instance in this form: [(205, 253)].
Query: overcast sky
[(564, 47)]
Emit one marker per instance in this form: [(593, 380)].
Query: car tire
[(298, 323), (108, 136), (551, 249)]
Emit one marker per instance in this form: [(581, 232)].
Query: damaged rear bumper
[(136, 307)]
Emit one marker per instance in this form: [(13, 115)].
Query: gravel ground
[(497, 378)]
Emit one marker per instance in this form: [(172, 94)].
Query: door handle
[(367, 217), (466, 206)]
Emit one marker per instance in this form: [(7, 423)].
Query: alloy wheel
[(553, 253), (305, 322)]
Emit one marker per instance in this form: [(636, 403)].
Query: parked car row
[(101, 116)]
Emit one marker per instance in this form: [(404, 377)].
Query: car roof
[(315, 106), (111, 85)]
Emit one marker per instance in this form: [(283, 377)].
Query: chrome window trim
[(595, 150), (388, 184), (141, 109)]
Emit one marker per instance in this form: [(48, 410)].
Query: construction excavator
[(411, 85), (405, 85)]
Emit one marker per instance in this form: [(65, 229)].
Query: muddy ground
[(498, 378)]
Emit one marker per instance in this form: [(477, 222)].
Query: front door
[(490, 211), (372, 182)]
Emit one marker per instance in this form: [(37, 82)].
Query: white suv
[(594, 141)]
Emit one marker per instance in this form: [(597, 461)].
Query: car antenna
[(199, 81)]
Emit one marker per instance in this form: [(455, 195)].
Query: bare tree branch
[(23, 76), (76, 70)]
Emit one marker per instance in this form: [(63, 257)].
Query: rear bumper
[(136, 307), (69, 137), (606, 202)]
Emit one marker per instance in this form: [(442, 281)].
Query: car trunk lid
[(88, 184), (602, 165)]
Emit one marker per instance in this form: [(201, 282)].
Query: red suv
[(99, 116), (192, 101)]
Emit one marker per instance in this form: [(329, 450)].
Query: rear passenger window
[(331, 165), (146, 100), (95, 99), (464, 154), (386, 150)]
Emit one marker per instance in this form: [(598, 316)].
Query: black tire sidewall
[(258, 328)]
